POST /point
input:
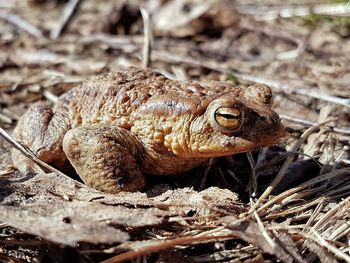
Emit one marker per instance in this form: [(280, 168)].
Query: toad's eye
[(228, 118)]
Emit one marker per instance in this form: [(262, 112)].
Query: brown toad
[(116, 127)]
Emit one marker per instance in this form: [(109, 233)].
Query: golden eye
[(228, 118)]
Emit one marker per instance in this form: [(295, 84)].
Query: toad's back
[(113, 98)]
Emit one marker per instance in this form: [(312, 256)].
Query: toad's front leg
[(106, 158)]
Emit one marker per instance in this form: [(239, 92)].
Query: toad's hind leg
[(41, 129), (106, 158)]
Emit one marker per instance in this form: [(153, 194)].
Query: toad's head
[(234, 123)]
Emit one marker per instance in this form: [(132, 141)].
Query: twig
[(268, 12), (307, 123), (309, 92), (22, 24), (65, 17), (163, 245), (28, 153), (147, 32)]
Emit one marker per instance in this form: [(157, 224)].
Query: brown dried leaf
[(203, 203), (62, 210), (58, 226)]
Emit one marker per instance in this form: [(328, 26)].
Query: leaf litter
[(288, 203)]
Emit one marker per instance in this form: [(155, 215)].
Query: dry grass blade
[(308, 92), (225, 255), (268, 12), (342, 231), (315, 213), (28, 153), (288, 161), (5, 119), (336, 251), (329, 215), (307, 123), (147, 31), (293, 210), (263, 230), (7, 171), (159, 245), (253, 179), (316, 237), (50, 96), (310, 183), (66, 16), (22, 24)]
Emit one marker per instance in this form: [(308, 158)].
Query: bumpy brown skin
[(116, 127)]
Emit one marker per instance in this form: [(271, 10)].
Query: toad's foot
[(105, 157)]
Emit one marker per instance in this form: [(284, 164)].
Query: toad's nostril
[(267, 119)]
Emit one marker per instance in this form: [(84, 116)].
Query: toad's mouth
[(227, 145), (255, 138)]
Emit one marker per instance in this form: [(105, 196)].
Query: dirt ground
[(286, 203)]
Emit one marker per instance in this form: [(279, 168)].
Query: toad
[(117, 127)]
